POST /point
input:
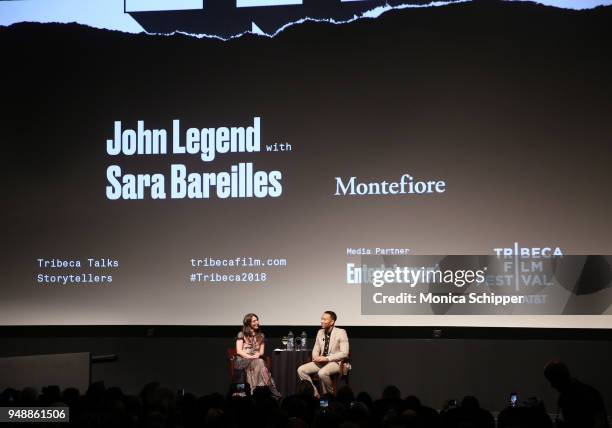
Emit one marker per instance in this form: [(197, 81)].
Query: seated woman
[(249, 348)]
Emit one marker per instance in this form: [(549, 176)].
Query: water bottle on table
[(290, 341)]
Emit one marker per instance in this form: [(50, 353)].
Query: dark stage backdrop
[(433, 369), (183, 180)]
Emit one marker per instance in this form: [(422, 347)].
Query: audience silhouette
[(159, 407), (580, 405)]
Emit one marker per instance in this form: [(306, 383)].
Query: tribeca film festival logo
[(525, 266)]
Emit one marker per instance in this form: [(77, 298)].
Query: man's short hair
[(332, 314), (556, 371)]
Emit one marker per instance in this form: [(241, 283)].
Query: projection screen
[(401, 163)]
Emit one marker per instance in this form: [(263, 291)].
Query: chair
[(231, 356), (337, 377)]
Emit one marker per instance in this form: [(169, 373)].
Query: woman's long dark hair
[(248, 332)]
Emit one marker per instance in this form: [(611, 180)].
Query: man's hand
[(320, 359)]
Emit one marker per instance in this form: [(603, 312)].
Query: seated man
[(330, 348)]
